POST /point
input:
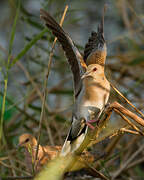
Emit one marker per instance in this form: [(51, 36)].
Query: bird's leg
[(89, 125), (100, 114), (94, 117), (89, 122), (93, 121)]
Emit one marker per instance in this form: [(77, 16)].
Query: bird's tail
[(71, 145), (95, 50)]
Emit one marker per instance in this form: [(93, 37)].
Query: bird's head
[(26, 140), (93, 71)]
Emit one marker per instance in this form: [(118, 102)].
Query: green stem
[(3, 108), (7, 70), (28, 46)]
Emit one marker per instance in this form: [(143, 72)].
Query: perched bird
[(91, 88), (45, 153)]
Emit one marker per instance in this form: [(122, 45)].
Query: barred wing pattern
[(74, 57), (96, 45)]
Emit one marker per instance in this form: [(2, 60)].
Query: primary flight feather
[(91, 88)]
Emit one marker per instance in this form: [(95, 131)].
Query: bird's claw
[(90, 126), (90, 122)]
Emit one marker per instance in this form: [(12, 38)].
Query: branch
[(127, 112), (137, 110), (56, 168), (126, 163)]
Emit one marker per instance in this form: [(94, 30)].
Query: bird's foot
[(90, 126), (92, 121), (89, 123)]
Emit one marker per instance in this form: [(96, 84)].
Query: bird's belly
[(98, 103), (88, 112), (90, 103)]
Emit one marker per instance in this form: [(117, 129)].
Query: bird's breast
[(92, 98), (87, 108)]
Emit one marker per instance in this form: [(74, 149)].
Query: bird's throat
[(90, 89)]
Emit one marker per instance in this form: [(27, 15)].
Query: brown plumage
[(90, 97), (94, 53), (47, 153), (74, 57), (95, 50)]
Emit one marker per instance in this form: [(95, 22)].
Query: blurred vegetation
[(24, 52)]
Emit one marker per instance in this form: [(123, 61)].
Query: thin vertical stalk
[(45, 84), (7, 70)]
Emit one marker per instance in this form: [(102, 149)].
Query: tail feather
[(73, 145), (96, 45), (66, 149)]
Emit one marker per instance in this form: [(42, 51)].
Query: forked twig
[(129, 131), (128, 121), (127, 112), (137, 110)]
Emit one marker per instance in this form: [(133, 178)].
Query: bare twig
[(109, 149), (136, 162), (96, 173), (64, 164), (15, 168), (127, 112), (129, 131), (49, 132), (125, 163), (133, 11), (125, 16), (129, 122), (126, 100), (45, 84), (32, 82)]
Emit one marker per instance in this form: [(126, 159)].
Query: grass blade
[(7, 69), (28, 46)]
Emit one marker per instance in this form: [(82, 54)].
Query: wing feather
[(95, 50), (74, 57)]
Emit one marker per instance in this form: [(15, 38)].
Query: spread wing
[(74, 57), (95, 50)]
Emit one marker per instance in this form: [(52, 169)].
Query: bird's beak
[(19, 145), (86, 74)]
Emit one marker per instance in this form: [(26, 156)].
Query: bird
[(47, 153), (91, 88)]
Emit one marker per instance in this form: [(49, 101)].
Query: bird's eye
[(94, 69), (27, 140)]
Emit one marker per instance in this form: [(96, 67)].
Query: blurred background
[(124, 34)]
